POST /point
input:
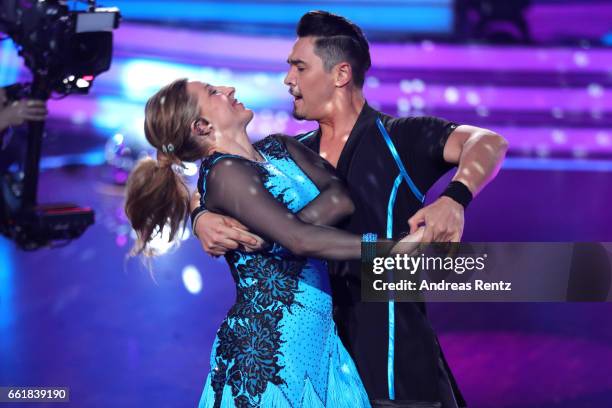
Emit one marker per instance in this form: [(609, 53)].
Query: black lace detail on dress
[(250, 338), (272, 147)]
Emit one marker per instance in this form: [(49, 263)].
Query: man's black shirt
[(369, 170)]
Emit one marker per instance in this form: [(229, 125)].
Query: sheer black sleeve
[(234, 186), (334, 202)]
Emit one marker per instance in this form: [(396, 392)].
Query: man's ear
[(343, 74)]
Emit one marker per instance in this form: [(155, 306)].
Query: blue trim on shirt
[(301, 139), (415, 190)]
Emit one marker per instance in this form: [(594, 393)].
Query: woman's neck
[(237, 144)]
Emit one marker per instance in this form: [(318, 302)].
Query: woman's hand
[(409, 244)]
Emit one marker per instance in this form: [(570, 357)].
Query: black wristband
[(195, 212), (458, 192)]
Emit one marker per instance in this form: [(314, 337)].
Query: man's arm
[(219, 233), (479, 154)]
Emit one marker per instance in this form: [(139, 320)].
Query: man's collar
[(366, 118)]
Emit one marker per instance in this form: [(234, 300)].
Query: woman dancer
[(277, 346)]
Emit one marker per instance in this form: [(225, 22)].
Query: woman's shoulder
[(273, 146), (211, 161), (223, 166)]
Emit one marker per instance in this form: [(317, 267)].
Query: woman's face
[(219, 107)]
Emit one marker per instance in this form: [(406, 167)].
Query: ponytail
[(156, 197)]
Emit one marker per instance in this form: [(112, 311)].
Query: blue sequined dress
[(278, 346)]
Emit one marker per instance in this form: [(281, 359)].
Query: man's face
[(309, 84)]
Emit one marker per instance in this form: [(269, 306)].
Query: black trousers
[(446, 394), (363, 328)]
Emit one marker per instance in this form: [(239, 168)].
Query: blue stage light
[(7, 314), (10, 63), (408, 16)]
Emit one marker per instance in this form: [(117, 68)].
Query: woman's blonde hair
[(156, 195)]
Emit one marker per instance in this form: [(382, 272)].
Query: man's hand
[(18, 112), (443, 221), (219, 234)]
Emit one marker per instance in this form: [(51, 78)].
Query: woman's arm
[(334, 202), (234, 187)]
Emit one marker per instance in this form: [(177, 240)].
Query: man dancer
[(388, 164)]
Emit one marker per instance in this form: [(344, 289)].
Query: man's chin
[(298, 115)]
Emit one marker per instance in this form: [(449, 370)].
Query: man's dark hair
[(337, 40)]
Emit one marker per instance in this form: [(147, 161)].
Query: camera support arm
[(41, 91)]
